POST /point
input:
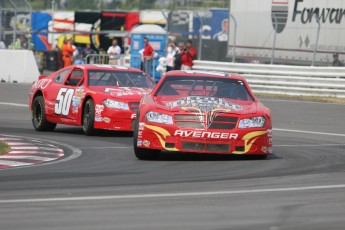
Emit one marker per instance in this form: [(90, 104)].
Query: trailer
[(300, 32)]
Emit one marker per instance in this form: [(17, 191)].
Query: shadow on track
[(173, 156), (100, 133)]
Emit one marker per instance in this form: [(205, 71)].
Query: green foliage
[(4, 148)]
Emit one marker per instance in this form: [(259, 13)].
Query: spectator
[(178, 55), (336, 61), (21, 43), (114, 50), (141, 53), (67, 52), (88, 51), (148, 55), (170, 54), (75, 52), (188, 56), (2, 45)]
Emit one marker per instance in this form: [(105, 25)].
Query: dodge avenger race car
[(91, 96), (202, 112)]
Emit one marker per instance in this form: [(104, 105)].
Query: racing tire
[(143, 153), (89, 118), (39, 120)]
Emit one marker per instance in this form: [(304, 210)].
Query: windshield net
[(119, 79), (204, 86)]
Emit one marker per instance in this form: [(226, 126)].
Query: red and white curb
[(26, 152)]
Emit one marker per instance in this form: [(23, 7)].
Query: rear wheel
[(143, 153), (89, 118), (39, 120)]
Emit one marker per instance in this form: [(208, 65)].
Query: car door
[(66, 98), (51, 92)]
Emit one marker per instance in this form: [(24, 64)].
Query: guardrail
[(285, 80)]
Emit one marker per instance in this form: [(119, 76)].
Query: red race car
[(92, 96), (202, 112)]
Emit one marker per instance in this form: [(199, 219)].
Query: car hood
[(124, 93), (205, 104)]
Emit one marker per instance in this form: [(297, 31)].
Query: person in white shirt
[(2, 45), (114, 50), (170, 54)]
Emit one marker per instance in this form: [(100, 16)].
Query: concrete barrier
[(18, 65)]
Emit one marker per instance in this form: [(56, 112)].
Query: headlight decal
[(252, 122), (161, 135), (249, 139), (113, 104), (160, 118)]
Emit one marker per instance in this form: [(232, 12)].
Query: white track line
[(9, 139), (119, 147), (13, 163), (14, 104), (35, 148), (309, 132), (167, 195), (36, 152), (19, 143), (28, 157)]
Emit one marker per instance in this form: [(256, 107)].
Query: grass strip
[(4, 148)]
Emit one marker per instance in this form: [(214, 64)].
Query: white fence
[(285, 80)]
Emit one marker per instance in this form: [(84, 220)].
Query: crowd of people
[(177, 57), (21, 42)]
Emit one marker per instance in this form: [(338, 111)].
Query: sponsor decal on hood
[(205, 108)]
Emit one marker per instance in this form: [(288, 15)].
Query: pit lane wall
[(285, 79), (18, 66)]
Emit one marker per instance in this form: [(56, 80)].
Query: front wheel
[(143, 153), (39, 120), (89, 118)]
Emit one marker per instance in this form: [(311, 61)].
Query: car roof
[(200, 73), (107, 67)]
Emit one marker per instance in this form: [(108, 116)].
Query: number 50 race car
[(202, 112), (91, 96)]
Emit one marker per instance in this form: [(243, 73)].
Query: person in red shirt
[(188, 56), (148, 54)]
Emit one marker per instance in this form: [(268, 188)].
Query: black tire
[(39, 120), (141, 153), (89, 118)]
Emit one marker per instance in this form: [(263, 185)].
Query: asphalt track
[(302, 186)]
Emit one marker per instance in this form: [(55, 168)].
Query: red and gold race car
[(202, 112), (91, 96)]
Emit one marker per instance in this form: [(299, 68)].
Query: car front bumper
[(235, 141)]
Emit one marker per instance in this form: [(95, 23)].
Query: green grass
[(4, 148), (304, 98)]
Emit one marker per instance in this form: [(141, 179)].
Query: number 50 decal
[(63, 101)]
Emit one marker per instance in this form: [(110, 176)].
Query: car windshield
[(119, 79), (204, 86)]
